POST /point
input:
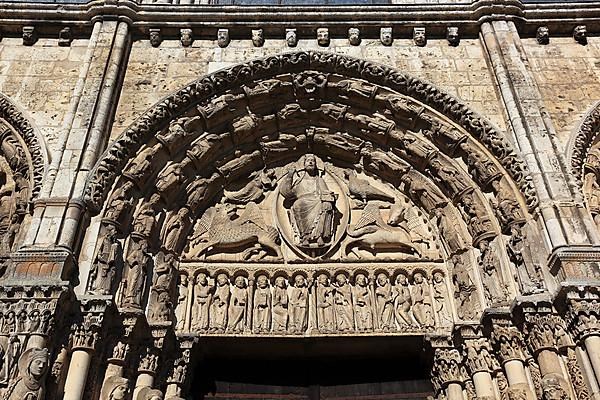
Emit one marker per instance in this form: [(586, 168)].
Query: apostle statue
[(311, 203), (33, 365)]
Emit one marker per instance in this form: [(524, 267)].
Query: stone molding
[(583, 139)]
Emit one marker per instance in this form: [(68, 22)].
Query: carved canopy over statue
[(346, 162)]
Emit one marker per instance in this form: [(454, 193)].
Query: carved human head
[(183, 279), (258, 37), (438, 277), (310, 163), (262, 281), (155, 37), (385, 35), (361, 279), (222, 279), (452, 35), (418, 277), (542, 35), (114, 388), (280, 282), (240, 282), (354, 36), (341, 279), (580, 34), (419, 36), (401, 279), (223, 37), (65, 36), (119, 392), (300, 281), (186, 37), (323, 37), (483, 245), (323, 280), (38, 362), (291, 37), (382, 279), (552, 389)]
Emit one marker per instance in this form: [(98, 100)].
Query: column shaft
[(77, 375), (483, 384), (592, 345), (454, 391)]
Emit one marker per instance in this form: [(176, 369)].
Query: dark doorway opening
[(384, 368)]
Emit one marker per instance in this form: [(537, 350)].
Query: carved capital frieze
[(508, 341), (149, 360), (478, 354), (576, 265), (447, 368), (120, 352), (88, 328), (583, 317)]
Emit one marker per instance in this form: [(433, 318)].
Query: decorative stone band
[(576, 265), (328, 299), (148, 125), (583, 140), (583, 318)]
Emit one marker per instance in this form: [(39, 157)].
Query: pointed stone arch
[(228, 138)]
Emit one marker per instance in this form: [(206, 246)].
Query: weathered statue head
[(323, 37), (438, 277), (240, 282), (452, 35), (258, 37), (183, 279), (401, 279), (280, 282), (385, 35), (419, 37), (580, 34), (542, 35), (341, 279), (33, 365), (553, 390), (483, 245), (361, 280), (262, 281), (354, 36), (300, 281), (382, 279), (222, 280), (291, 37), (147, 393), (186, 37), (418, 277), (114, 388), (310, 164), (201, 278), (29, 36), (223, 37), (155, 37), (323, 280)]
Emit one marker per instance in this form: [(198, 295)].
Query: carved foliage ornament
[(211, 85)]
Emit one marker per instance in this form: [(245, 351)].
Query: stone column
[(509, 346), (480, 363), (116, 362), (85, 334), (447, 373)]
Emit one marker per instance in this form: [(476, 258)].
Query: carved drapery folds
[(311, 194)]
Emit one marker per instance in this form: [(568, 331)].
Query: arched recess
[(198, 183), (23, 160)]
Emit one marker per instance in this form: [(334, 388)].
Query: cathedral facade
[(299, 200)]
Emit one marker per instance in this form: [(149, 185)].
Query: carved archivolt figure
[(344, 315), (137, 261), (298, 305), (33, 365), (489, 264), (176, 225), (421, 294), (114, 388), (119, 204), (262, 305), (325, 294), (201, 305), (385, 302), (403, 301), (527, 266), (450, 230), (280, 305), (219, 304), (182, 296), (464, 290), (362, 303), (104, 267), (312, 204), (237, 305)]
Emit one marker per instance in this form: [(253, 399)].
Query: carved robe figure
[(237, 305), (489, 263), (528, 269), (176, 224), (119, 203), (325, 293), (262, 305), (385, 302), (137, 261), (298, 305), (115, 388), (104, 268), (312, 204), (421, 294), (440, 299), (219, 304), (29, 385), (464, 290), (343, 304), (182, 296), (362, 303), (450, 231), (280, 305), (403, 301)]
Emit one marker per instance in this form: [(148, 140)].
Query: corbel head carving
[(354, 36), (452, 35), (323, 37), (291, 37), (258, 37), (385, 35), (419, 36), (155, 37), (580, 34), (223, 37), (542, 35), (186, 37)]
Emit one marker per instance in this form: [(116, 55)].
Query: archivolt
[(583, 140), (211, 86)]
